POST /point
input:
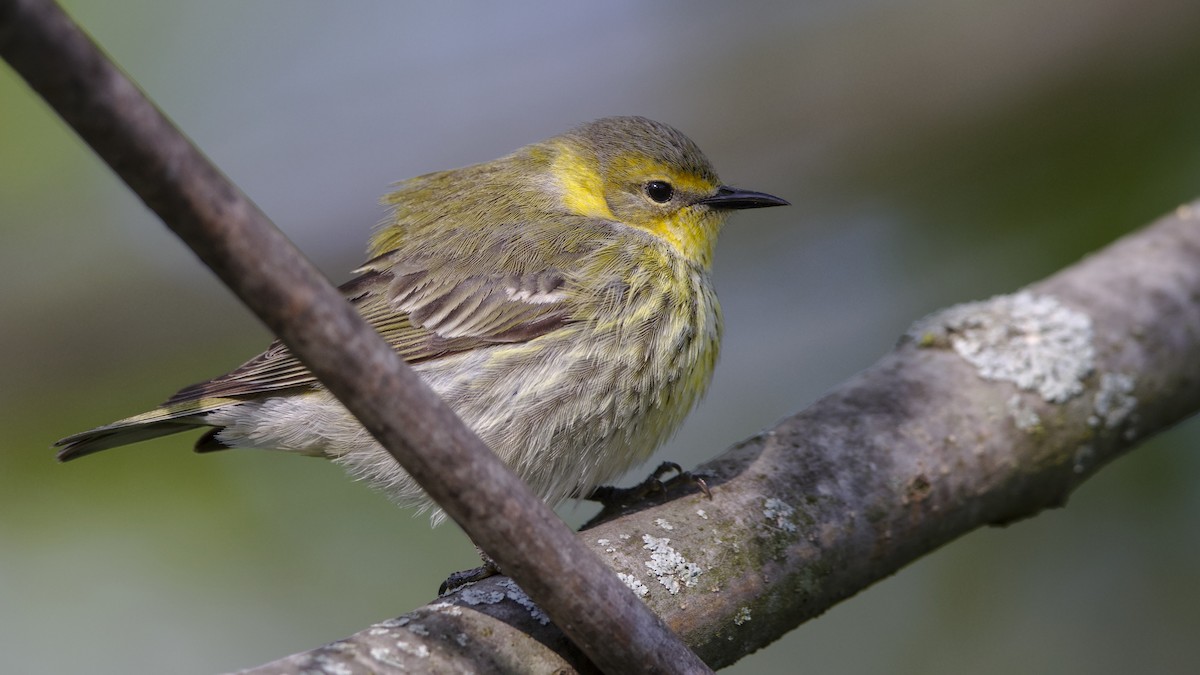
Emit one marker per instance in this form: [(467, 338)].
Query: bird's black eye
[(660, 191)]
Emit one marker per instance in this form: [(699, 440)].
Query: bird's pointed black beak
[(733, 198)]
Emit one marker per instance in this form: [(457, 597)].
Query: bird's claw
[(614, 498)]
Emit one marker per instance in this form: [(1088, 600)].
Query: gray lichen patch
[(1023, 415), (513, 592), (668, 565), (634, 584), (1114, 401), (1033, 341), (778, 514), (473, 596)]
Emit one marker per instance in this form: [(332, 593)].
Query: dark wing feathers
[(421, 316)]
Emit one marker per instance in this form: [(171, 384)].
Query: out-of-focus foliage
[(935, 152)]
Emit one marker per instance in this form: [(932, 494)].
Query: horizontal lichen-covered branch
[(985, 413)]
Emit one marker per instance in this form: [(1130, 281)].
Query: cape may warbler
[(559, 299)]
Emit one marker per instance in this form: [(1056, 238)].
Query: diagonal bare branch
[(233, 238)]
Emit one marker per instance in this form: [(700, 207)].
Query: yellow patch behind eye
[(582, 186)]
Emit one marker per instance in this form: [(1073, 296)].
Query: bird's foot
[(613, 498), (455, 581)]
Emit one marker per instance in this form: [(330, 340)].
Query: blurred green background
[(934, 151)]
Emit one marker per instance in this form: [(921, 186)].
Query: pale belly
[(566, 416)]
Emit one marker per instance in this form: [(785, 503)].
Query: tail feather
[(119, 433), (168, 419)]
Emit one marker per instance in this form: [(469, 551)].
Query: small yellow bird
[(558, 298)]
